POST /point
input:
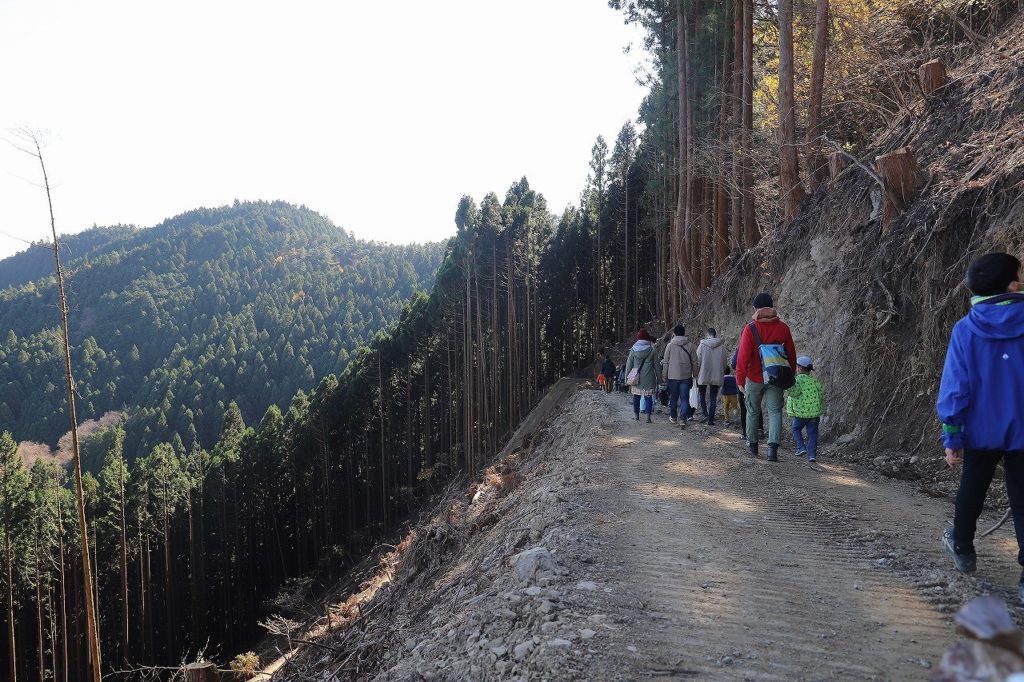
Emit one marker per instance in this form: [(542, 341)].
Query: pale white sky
[(379, 115)]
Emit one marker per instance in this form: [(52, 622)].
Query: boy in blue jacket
[(982, 422)]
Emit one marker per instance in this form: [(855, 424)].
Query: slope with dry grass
[(874, 306)]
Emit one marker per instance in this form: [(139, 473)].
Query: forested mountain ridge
[(245, 303), (36, 262)]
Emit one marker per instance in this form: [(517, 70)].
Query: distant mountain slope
[(250, 303), (37, 262)]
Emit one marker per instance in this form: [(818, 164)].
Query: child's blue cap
[(805, 362)]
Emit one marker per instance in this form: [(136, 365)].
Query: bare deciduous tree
[(31, 145)]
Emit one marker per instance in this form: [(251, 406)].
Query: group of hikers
[(979, 400), (762, 370)]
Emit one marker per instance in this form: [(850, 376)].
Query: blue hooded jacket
[(982, 381)]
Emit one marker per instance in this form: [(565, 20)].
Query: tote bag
[(634, 374)]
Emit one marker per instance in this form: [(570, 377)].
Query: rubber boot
[(773, 452)]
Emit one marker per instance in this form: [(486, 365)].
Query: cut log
[(901, 177), (987, 618), (932, 76), (974, 660), (996, 650), (201, 672), (837, 163)]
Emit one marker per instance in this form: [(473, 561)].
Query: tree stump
[(837, 163), (901, 177), (932, 76), (201, 672)]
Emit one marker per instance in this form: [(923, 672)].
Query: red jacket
[(772, 330)]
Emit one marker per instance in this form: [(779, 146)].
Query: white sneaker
[(672, 420)]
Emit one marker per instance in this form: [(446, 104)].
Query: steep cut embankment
[(605, 548), (874, 307)]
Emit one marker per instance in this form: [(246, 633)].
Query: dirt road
[(745, 569), (603, 548)]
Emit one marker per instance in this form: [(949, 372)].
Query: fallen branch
[(317, 644), (892, 305), (977, 167), (999, 523), (858, 162)]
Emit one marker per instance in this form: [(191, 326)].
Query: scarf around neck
[(765, 315)]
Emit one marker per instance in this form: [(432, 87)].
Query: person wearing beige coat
[(681, 367), (711, 359)]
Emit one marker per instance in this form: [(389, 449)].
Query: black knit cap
[(763, 300), (992, 273)]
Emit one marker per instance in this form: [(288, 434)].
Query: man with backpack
[(681, 366), (765, 368), (978, 403)]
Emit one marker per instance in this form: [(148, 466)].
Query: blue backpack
[(775, 367)]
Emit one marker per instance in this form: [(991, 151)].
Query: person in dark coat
[(608, 372)]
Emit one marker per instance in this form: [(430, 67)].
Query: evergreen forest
[(247, 303), (293, 395)]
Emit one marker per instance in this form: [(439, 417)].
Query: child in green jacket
[(804, 404)]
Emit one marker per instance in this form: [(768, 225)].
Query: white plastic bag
[(695, 397)]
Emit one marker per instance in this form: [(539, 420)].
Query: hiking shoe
[(752, 449), (773, 452), (965, 563)]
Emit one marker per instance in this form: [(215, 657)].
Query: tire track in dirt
[(751, 570)]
